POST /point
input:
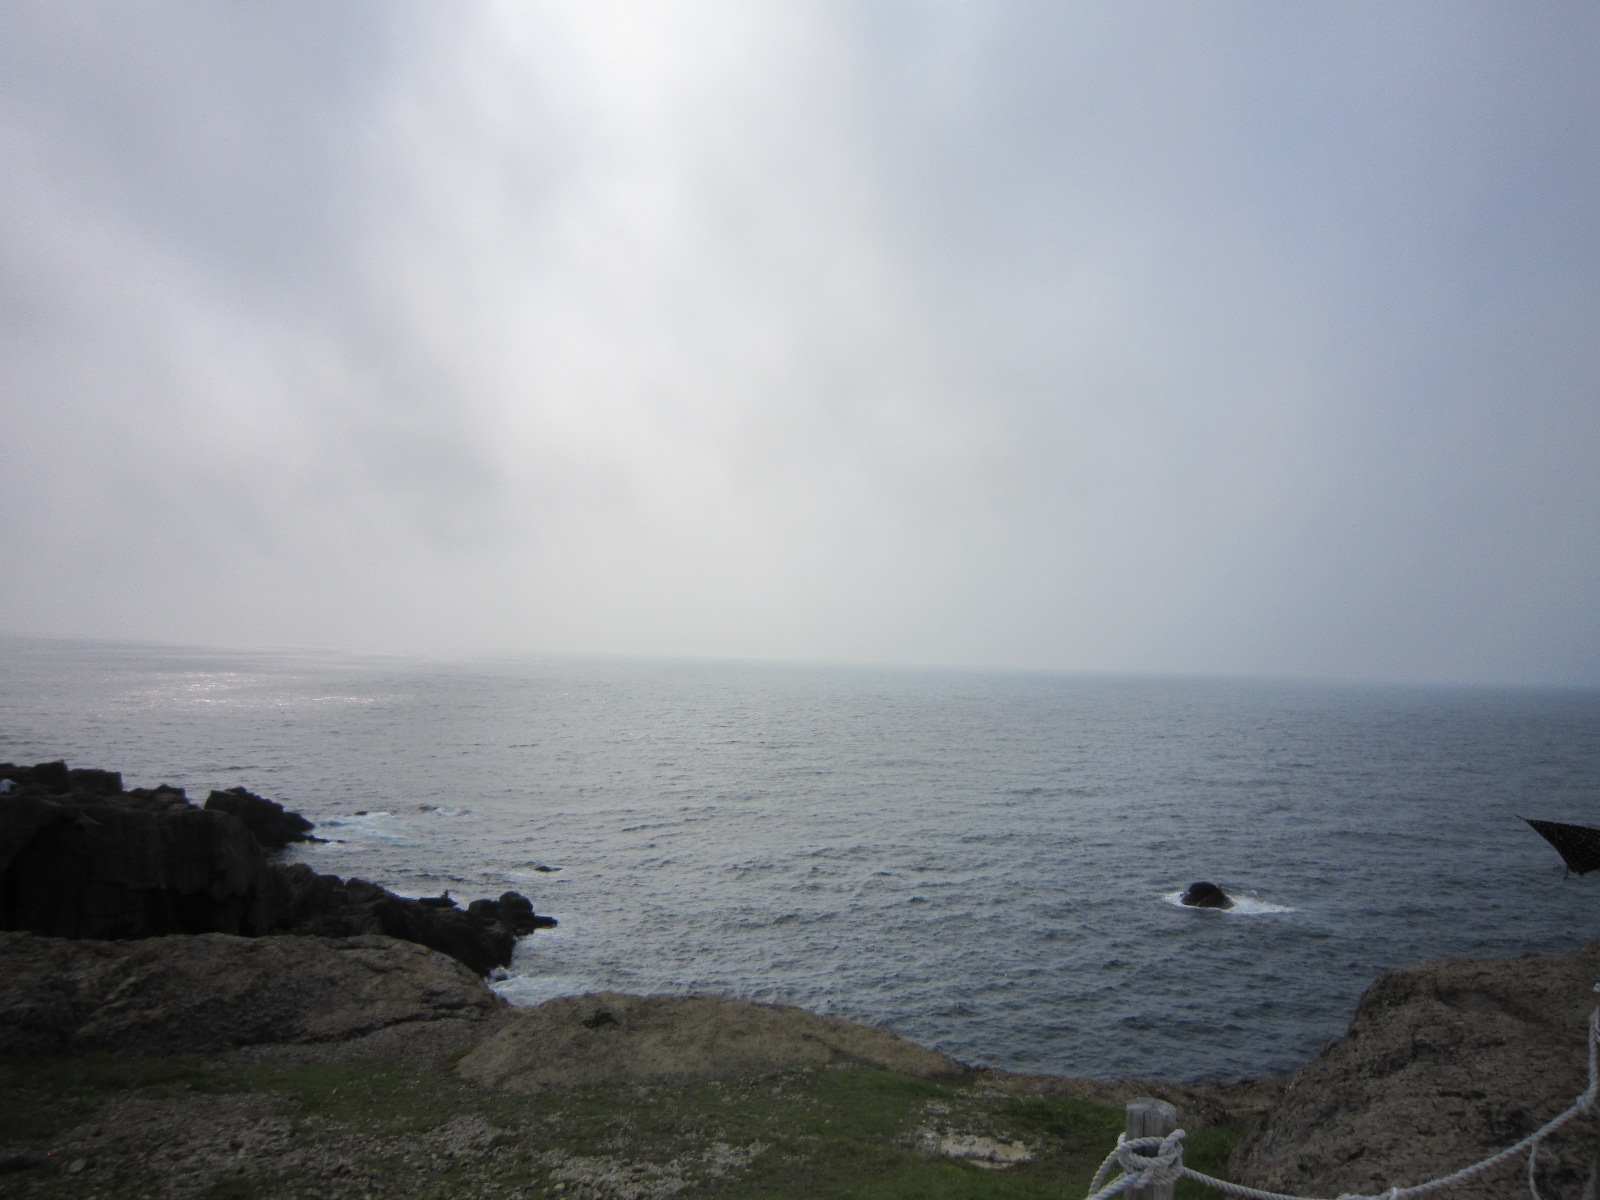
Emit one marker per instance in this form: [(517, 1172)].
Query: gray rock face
[(1445, 1063), (607, 1037), (189, 994)]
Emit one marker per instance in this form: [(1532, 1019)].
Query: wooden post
[(1150, 1118)]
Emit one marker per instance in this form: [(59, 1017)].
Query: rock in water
[(209, 992), (1205, 895)]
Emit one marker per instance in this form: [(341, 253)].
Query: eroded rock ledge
[(1445, 1063), (185, 995)]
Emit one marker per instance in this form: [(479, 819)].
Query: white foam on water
[(1243, 906), (527, 990), (366, 827), (441, 810)]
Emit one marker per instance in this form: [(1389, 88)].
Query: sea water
[(987, 863)]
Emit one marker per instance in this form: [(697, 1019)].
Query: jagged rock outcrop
[(514, 910), (327, 906), (213, 991), (1445, 1063), (272, 825), (607, 1037), (79, 857), (82, 858)]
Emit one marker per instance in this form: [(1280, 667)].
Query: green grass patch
[(1089, 1131), (41, 1099), (386, 1130)]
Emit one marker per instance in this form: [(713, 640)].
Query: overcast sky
[(1247, 338)]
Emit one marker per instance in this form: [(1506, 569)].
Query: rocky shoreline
[(80, 857), (1444, 1062)]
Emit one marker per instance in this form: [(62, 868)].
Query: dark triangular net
[(1578, 845)]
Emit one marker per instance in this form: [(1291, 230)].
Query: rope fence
[(1151, 1164)]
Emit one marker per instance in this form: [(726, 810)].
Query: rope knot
[(1149, 1161)]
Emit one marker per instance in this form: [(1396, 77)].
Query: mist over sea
[(983, 862)]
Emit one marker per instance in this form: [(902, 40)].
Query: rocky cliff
[(80, 857), (1445, 1063)]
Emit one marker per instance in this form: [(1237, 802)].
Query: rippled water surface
[(986, 863)]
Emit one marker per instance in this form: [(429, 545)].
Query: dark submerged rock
[(81, 858), (1205, 895)]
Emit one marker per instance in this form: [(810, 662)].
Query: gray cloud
[(1167, 337)]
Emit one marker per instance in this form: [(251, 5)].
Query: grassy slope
[(219, 1127)]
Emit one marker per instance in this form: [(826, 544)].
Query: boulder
[(212, 991), (1205, 895), (1445, 1063), (608, 1037)]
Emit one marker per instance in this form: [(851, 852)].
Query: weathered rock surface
[(213, 991), (1445, 1063), (82, 858), (607, 1037)]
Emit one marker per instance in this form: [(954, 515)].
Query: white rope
[(1148, 1161)]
